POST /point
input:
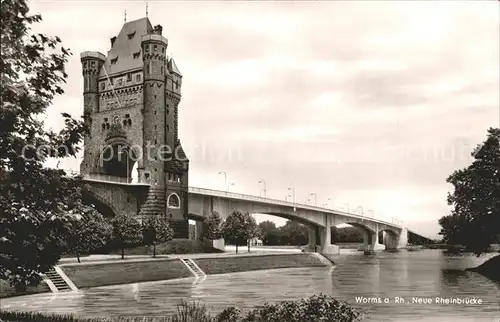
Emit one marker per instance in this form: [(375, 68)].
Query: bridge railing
[(233, 195)]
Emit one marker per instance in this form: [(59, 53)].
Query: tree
[(37, 204), (475, 217), (126, 231), (235, 230), (252, 228), (89, 232), (212, 226), (294, 233), (269, 233), (155, 230)]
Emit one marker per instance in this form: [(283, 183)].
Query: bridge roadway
[(319, 220)]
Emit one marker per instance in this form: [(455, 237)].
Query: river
[(406, 275)]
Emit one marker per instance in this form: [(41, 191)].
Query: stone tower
[(131, 100)]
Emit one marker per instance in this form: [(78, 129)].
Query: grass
[(221, 265), (124, 272)]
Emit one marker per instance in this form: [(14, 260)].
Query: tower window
[(168, 128), (149, 68), (137, 54), (162, 49), (155, 47), (138, 77), (119, 82), (103, 86), (93, 64), (161, 69), (85, 65), (129, 77), (114, 60), (130, 36)]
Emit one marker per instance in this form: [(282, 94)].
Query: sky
[(371, 104)]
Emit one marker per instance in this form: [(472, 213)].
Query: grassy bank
[(490, 268), (7, 291), (85, 275), (124, 272), (221, 265)]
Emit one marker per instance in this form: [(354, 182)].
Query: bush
[(316, 308)]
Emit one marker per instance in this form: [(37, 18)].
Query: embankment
[(490, 268), (124, 272), (89, 274), (221, 265)]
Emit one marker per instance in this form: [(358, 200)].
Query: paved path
[(230, 252)]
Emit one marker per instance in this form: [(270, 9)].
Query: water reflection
[(386, 275)]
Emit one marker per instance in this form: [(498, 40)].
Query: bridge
[(116, 195), (132, 99)]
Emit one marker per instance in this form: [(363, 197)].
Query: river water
[(406, 275)]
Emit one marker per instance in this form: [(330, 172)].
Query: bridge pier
[(326, 238), (370, 242), (394, 242)]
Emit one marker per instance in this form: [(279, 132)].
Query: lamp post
[(265, 187), (331, 199), (225, 179), (230, 184), (292, 191), (360, 208), (313, 194)]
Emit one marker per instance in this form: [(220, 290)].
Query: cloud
[(372, 102)]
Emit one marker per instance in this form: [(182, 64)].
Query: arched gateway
[(131, 99)]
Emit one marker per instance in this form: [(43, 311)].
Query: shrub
[(316, 308)]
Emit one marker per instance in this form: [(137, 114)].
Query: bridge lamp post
[(330, 199), (313, 194), (225, 179), (265, 187), (292, 191), (360, 208), (230, 184)]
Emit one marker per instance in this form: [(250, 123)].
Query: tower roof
[(126, 44), (173, 67)]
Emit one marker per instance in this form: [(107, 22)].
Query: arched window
[(174, 201)]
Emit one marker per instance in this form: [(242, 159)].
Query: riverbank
[(136, 270), (490, 268)]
